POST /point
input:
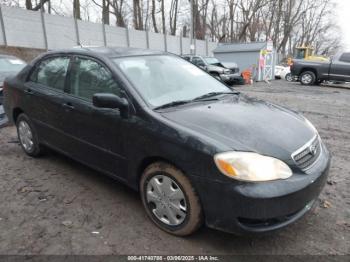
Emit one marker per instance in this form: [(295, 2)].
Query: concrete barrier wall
[(30, 29)]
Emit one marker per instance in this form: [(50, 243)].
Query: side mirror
[(104, 100)]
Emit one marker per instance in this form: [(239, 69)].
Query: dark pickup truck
[(312, 72)]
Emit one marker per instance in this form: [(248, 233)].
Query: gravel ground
[(52, 205)]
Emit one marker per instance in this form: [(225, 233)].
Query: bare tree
[(162, 10), (287, 23), (76, 9), (137, 15), (37, 6), (154, 20), (105, 11), (173, 16)]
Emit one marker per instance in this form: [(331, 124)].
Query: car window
[(211, 60), (345, 57), (198, 61), (89, 77), (51, 72), (187, 58), (164, 79)]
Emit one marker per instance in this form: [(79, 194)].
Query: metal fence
[(24, 28)]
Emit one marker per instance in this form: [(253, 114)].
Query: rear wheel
[(307, 78), (27, 136), (170, 200)]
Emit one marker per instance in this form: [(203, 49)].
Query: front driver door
[(97, 134)]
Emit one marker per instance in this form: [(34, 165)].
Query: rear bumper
[(251, 208)]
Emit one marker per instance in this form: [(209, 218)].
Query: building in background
[(258, 57)]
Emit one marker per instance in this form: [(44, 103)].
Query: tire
[(289, 77), (185, 209), (27, 136), (307, 78)]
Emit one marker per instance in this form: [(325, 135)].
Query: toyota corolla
[(197, 151)]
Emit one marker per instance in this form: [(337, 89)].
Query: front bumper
[(232, 78), (249, 208)]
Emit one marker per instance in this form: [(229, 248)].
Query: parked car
[(197, 151), (228, 73), (283, 72), (312, 72), (9, 65), (278, 70)]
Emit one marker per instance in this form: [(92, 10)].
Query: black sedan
[(197, 151)]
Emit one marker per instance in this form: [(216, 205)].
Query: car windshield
[(11, 64), (211, 60), (162, 79)]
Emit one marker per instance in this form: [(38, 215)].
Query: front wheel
[(289, 77), (307, 78), (170, 200), (27, 136)]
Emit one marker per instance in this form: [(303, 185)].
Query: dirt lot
[(53, 205)]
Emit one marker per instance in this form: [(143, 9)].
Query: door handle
[(29, 91), (68, 106)]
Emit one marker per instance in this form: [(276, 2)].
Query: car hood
[(216, 68), (230, 65), (246, 124)]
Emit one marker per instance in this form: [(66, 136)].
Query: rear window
[(345, 57), (51, 72)]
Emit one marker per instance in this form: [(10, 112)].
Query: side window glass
[(89, 77), (51, 72), (345, 57), (198, 61)]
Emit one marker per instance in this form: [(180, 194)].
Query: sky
[(343, 13)]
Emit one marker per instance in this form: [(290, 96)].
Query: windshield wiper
[(200, 98), (211, 94), (174, 103)]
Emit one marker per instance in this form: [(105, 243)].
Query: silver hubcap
[(25, 136), (166, 200), (306, 79), (289, 78)]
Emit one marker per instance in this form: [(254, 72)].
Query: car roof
[(110, 52)]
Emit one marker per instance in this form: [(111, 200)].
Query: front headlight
[(248, 166)]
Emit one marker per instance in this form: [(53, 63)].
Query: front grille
[(308, 154)]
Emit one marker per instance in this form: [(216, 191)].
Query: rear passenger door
[(44, 95), (97, 134)]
